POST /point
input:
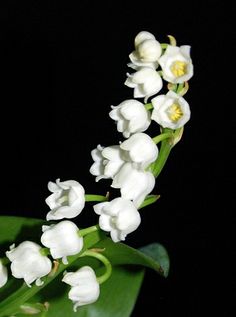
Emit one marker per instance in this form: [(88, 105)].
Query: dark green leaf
[(118, 294), (158, 253)]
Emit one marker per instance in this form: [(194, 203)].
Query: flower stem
[(166, 146), (45, 251), (148, 106), (101, 279), (84, 232), (96, 198), (162, 137), (164, 46)]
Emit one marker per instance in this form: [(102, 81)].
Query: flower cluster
[(130, 165)]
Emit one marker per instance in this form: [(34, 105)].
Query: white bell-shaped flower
[(3, 274), (131, 117), (146, 82), (134, 184), (85, 288), (62, 239), (141, 149), (176, 64), (147, 51), (119, 217), (66, 201), (170, 110), (28, 262), (107, 161)]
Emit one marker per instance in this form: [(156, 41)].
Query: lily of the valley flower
[(62, 239), (131, 117), (170, 110), (84, 286), (147, 51), (107, 161), (134, 184), (176, 64), (141, 149), (3, 274), (146, 83), (119, 217), (28, 262), (66, 201)]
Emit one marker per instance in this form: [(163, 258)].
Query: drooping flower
[(62, 239), (28, 262), (3, 274), (107, 161), (170, 110), (85, 288), (141, 149), (131, 117), (176, 64), (146, 82), (133, 183), (119, 217), (147, 51), (66, 201)]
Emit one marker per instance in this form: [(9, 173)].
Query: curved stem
[(101, 279), (162, 158), (162, 137), (96, 198)]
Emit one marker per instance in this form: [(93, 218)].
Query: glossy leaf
[(118, 294)]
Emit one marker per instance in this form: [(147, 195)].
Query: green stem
[(148, 106), (164, 46), (162, 137), (164, 152), (84, 232), (95, 198), (45, 251), (180, 87), (101, 279)]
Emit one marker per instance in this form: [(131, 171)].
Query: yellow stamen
[(179, 68), (175, 112)]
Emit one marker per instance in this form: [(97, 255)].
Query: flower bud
[(28, 262), (141, 149), (66, 201), (131, 117), (146, 82), (119, 217), (84, 286), (62, 239), (134, 184)]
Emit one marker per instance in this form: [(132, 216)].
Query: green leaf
[(118, 294), (158, 253), (117, 298)]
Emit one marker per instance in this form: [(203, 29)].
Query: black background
[(63, 64)]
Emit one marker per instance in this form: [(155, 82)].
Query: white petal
[(142, 36), (3, 274)]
